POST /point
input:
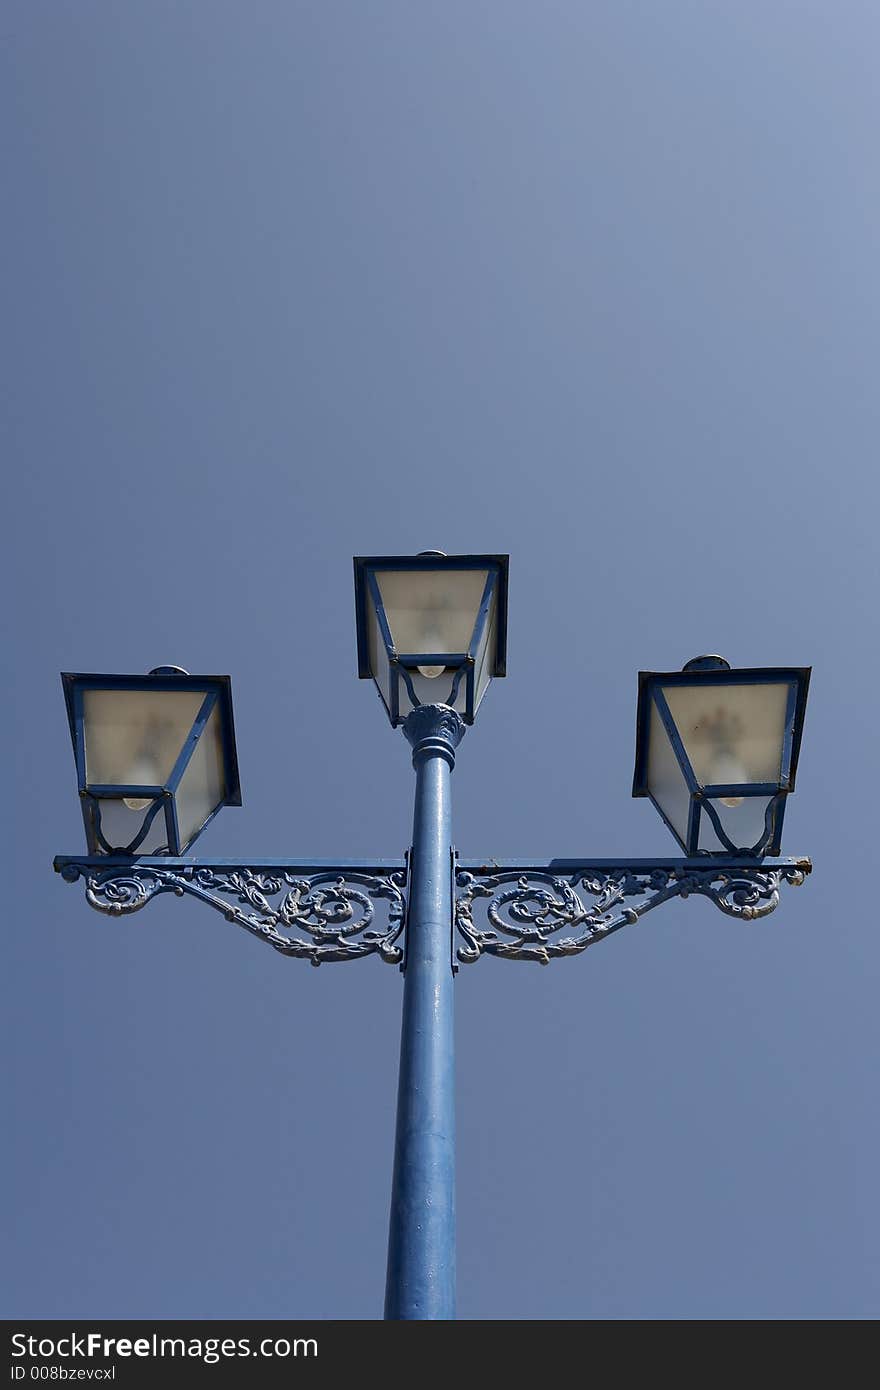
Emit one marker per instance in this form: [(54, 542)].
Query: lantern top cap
[(706, 663), (722, 672), (421, 561), (176, 677)]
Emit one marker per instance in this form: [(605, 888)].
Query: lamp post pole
[(421, 1240)]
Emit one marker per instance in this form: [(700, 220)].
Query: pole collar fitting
[(434, 731)]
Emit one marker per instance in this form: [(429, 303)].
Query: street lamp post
[(421, 1238), (717, 752)]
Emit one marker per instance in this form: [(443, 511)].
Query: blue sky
[(593, 284)]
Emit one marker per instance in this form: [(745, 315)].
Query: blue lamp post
[(717, 751)]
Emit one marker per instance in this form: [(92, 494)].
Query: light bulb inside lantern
[(145, 773), (433, 641), (726, 769)]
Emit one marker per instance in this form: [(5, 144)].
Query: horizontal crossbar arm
[(100, 862), (724, 862), (383, 866)]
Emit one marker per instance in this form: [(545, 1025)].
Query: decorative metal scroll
[(525, 912), (319, 917)]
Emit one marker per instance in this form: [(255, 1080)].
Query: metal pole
[(421, 1239)]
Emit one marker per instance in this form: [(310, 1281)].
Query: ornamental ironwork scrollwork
[(747, 894), (333, 912), (526, 911)]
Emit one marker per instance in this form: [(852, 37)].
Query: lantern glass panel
[(120, 825), (432, 610), (203, 784), (378, 654), (134, 737), (743, 824), (731, 733), (434, 690), (485, 656), (666, 781)]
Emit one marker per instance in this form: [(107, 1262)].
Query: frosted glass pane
[(433, 690), (486, 654), (431, 610), (378, 654), (120, 826), (203, 784), (134, 737), (744, 824), (665, 778), (731, 733)]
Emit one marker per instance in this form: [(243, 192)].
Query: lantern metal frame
[(701, 795), (402, 664), (218, 695)]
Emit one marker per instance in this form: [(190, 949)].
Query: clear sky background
[(594, 284)]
